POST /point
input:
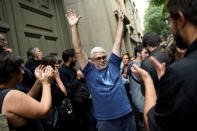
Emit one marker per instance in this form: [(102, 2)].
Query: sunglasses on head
[(99, 58)]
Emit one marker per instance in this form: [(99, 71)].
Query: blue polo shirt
[(106, 87)]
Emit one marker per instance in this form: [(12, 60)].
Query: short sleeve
[(115, 60), (87, 69)]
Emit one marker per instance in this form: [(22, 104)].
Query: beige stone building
[(134, 29), (42, 23), (98, 24), (135, 23)]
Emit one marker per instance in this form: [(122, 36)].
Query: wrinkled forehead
[(98, 54)]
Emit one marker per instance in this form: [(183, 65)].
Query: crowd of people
[(155, 90)]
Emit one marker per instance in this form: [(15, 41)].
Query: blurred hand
[(141, 73), (124, 75), (79, 74), (38, 71), (9, 50), (72, 18), (48, 74), (44, 74), (160, 68)]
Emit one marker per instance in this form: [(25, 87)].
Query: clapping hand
[(160, 68), (44, 74), (141, 73), (38, 71)]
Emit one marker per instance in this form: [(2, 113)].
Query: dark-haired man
[(151, 41), (140, 54), (71, 80), (174, 108), (67, 72)]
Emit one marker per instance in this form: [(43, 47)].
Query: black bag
[(59, 114), (65, 108), (82, 93)]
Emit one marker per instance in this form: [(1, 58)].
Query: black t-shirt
[(176, 107), (3, 93), (150, 68)]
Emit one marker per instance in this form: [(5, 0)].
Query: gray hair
[(31, 52), (96, 50)]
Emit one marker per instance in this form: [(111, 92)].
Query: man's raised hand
[(120, 14), (72, 18)]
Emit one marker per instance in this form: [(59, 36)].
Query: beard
[(179, 39), (72, 64), (101, 66)]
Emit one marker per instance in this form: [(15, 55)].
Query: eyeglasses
[(169, 18), (3, 40), (99, 58), (166, 20)]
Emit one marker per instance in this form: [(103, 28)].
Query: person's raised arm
[(80, 54), (150, 93), (119, 33)]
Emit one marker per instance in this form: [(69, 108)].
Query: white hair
[(96, 50)]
